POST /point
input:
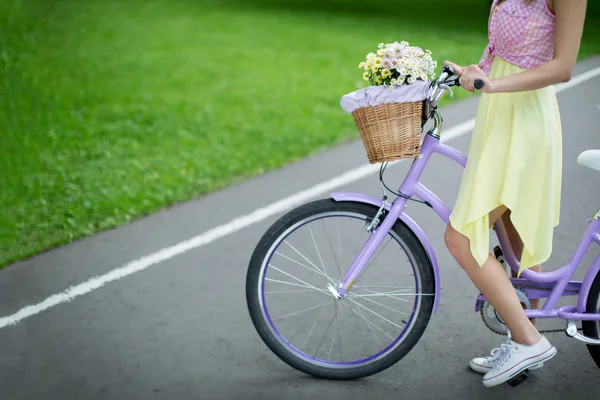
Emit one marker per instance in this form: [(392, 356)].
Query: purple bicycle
[(344, 287)]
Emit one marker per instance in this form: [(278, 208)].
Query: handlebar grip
[(478, 84)]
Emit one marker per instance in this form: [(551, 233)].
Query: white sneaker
[(485, 364), (513, 358)]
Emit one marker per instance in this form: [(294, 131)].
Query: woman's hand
[(468, 76), (458, 70), (471, 74)]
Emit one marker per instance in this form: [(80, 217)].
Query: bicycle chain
[(541, 331)]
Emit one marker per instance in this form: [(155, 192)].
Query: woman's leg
[(494, 284), (517, 245)]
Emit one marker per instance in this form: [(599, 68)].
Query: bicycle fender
[(364, 198)]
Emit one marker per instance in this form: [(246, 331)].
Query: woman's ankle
[(527, 338)]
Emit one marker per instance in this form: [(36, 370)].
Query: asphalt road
[(180, 329)]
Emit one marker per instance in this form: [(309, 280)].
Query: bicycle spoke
[(331, 350), (358, 326), (377, 294), (369, 324), (388, 270), (313, 327), (391, 295), (289, 291), (298, 279), (325, 334), (301, 311), (317, 248), (302, 319), (331, 246), (305, 266), (384, 287), (338, 330), (340, 247), (302, 255), (374, 313), (295, 284), (382, 305), (360, 286), (373, 260)]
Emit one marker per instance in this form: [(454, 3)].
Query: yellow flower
[(378, 80), (385, 73), (378, 61), (366, 76), (368, 66), (380, 52)]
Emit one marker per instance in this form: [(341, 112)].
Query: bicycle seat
[(590, 159)]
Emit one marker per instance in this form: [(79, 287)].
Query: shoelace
[(506, 352), (499, 351), (494, 354)]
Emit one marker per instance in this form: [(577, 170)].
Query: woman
[(514, 170)]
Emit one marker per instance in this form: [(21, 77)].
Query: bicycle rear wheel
[(592, 328), (300, 320)]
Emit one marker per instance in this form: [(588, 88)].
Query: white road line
[(576, 80), (237, 224)]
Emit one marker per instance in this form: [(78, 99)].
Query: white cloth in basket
[(376, 95)]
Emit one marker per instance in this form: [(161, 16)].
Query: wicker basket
[(390, 131)]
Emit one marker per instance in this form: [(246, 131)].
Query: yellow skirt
[(515, 160)]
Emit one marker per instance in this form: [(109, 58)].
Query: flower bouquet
[(388, 112)]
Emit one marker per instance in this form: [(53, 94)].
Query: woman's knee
[(455, 241)]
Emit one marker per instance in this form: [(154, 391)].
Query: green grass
[(114, 109)]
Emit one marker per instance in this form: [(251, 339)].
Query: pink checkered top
[(519, 32)]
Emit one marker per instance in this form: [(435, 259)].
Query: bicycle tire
[(592, 328), (423, 264)]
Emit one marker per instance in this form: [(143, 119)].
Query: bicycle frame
[(558, 281)]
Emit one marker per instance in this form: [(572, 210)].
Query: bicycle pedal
[(517, 380)]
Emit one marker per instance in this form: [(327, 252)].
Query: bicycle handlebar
[(446, 79)]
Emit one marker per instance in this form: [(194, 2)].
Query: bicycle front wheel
[(289, 293)]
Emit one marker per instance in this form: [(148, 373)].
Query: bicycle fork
[(378, 230)]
